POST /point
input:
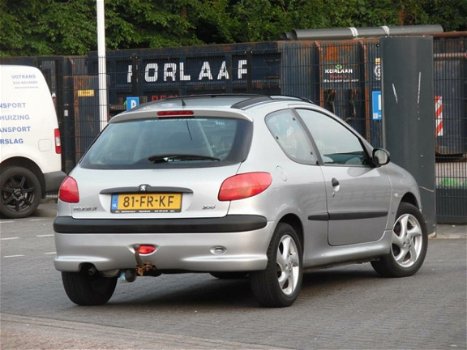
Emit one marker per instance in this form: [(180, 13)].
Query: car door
[(301, 175), (358, 194)]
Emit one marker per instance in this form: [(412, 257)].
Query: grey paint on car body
[(341, 213)]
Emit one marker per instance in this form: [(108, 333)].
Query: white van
[(30, 149)]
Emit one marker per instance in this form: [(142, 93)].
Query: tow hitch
[(147, 269), (142, 268)]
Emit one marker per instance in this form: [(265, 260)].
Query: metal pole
[(101, 63), (409, 113)]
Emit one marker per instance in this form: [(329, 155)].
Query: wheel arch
[(294, 221), (411, 199), (28, 164)]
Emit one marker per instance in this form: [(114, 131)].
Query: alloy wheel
[(288, 265), (407, 240)]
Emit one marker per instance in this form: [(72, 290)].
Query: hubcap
[(407, 240), (288, 265), (17, 193)]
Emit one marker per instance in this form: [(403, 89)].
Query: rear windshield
[(174, 142)]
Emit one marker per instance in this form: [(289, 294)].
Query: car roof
[(226, 105), (237, 101)]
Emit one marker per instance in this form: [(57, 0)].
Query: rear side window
[(172, 142), (291, 136)]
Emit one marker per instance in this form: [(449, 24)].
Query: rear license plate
[(146, 203)]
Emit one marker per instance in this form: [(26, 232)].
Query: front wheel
[(409, 244), (280, 284), (20, 192), (88, 287)]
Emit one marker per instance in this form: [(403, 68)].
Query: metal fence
[(343, 76), (450, 85)]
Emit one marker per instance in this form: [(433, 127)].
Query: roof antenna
[(183, 102)]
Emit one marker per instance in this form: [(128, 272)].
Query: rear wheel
[(409, 244), (279, 285), (20, 192), (88, 287)]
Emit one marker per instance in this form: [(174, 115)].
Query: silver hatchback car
[(238, 186)]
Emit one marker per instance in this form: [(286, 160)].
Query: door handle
[(334, 182)]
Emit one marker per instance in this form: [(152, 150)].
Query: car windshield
[(174, 142)]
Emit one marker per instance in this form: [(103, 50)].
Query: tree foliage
[(68, 27)]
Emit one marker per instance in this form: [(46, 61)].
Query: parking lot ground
[(451, 231), (21, 332), (344, 307)]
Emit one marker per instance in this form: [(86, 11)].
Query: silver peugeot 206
[(238, 186)]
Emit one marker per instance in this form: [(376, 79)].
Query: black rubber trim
[(149, 189), (251, 101), (348, 215), (357, 215), (319, 217), (229, 223)]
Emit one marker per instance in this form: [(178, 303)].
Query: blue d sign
[(131, 102), (376, 105)]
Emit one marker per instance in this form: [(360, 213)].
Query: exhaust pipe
[(128, 275)]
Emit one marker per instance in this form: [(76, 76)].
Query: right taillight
[(244, 186), (58, 144), (68, 191)]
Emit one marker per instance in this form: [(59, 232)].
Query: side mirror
[(380, 157)]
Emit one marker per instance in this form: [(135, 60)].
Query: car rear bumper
[(229, 223), (185, 251)]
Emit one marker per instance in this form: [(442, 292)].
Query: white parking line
[(6, 222), (8, 238), (37, 219), (42, 236), (50, 253)]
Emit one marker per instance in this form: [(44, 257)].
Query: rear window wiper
[(167, 158)]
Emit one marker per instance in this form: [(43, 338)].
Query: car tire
[(409, 244), (280, 283), (20, 192), (85, 288), (229, 275)]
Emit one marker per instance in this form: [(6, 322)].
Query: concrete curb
[(444, 231)]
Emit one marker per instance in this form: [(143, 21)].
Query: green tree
[(35, 27), (68, 27), (142, 23)]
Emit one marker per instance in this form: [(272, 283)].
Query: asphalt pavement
[(345, 307)]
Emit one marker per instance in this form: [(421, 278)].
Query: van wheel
[(20, 192), (280, 284), (88, 287), (409, 244)]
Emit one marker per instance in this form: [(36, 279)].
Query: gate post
[(408, 113)]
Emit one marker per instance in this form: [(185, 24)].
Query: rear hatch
[(167, 167)]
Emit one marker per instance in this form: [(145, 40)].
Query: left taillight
[(244, 185), (58, 143), (68, 191)]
